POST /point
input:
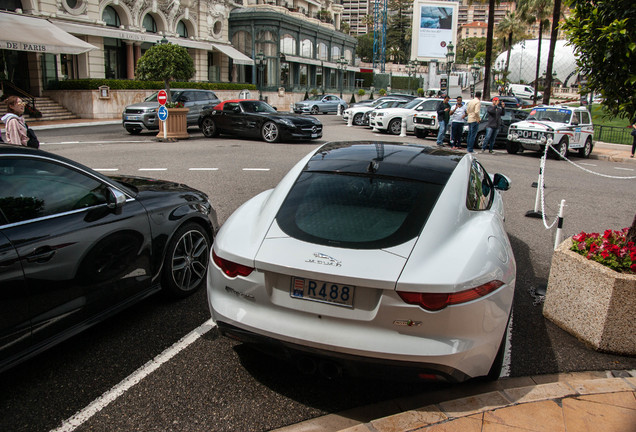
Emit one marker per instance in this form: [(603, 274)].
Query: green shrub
[(382, 92), (361, 92)]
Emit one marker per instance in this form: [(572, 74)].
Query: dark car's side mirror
[(501, 182), (237, 110), (275, 109)]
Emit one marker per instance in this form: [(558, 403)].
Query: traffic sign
[(162, 97), (162, 113)]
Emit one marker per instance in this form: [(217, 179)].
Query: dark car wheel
[(421, 133), (512, 147), (133, 130), (357, 119), (314, 110), (395, 126), (208, 127), (560, 151), (270, 132), (186, 262), (587, 149)]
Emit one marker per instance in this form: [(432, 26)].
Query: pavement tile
[(357, 428), (607, 385), (464, 424), (550, 378), (537, 416), (631, 380), (409, 420), (539, 392), (583, 416), (474, 404), (623, 399)]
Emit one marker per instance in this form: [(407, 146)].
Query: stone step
[(50, 110)]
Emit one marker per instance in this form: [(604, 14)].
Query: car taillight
[(231, 269), (438, 301)]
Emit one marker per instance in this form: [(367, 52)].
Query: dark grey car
[(143, 115)]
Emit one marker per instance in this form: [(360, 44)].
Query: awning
[(302, 60), (26, 33), (237, 56)]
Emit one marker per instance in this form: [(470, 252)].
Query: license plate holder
[(322, 292)]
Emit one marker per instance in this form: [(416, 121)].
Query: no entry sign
[(162, 97)]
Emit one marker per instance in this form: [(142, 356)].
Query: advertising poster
[(434, 26)]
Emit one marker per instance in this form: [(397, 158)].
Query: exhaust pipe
[(330, 370), (306, 365)]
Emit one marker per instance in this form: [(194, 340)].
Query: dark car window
[(257, 107), (33, 188), (480, 188), (356, 211), (231, 106)]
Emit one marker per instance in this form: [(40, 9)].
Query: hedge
[(114, 84)]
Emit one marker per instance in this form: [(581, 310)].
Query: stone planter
[(176, 124), (592, 302)]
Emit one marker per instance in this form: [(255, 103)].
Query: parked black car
[(257, 119), (511, 116), (511, 101), (77, 247)]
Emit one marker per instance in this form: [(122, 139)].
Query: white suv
[(425, 121), (390, 119), (563, 127)]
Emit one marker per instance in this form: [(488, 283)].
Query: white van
[(523, 91)]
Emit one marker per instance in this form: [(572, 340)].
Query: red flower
[(579, 237)]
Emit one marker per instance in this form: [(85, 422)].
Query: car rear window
[(356, 210)]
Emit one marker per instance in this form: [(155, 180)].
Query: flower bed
[(611, 249)]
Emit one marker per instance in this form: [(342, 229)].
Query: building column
[(137, 54), (130, 60)]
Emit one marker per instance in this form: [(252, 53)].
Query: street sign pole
[(162, 98)]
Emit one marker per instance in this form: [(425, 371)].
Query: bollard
[(540, 186), (339, 109), (558, 238), (403, 129), (291, 108)]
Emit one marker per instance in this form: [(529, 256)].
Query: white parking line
[(255, 169), (624, 169), (505, 368), (587, 164), (152, 169), (203, 169), (104, 400)]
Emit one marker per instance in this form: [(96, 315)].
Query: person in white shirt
[(457, 120)]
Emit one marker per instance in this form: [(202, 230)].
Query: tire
[(420, 133), (208, 127), (587, 149), (357, 119), (270, 132), (512, 147), (561, 150), (133, 130), (479, 140), (186, 262), (395, 126), (314, 110), (342, 108)]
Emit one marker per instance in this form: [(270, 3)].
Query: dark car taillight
[(231, 269), (438, 301)]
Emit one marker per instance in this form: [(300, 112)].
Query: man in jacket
[(443, 117), (495, 111), (473, 113)]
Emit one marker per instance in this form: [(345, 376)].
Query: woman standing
[(15, 129), (633, 136)]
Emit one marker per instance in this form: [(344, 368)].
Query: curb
[(468, 399)]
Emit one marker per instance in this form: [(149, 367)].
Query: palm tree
[(533, 11), (556, 16), (489, 40), (510, 28)]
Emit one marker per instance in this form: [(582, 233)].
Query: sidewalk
[(602, 151), (582, 401)]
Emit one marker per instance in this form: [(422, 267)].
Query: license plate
[(132, 117), (314, 135), (321, 291)]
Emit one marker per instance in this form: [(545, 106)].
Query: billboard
[(434, 26)]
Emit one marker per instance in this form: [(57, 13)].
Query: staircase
[(50, 110)]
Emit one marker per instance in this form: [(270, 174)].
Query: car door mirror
[(501, 182), (115, 199), (236, 110), (182, 99)]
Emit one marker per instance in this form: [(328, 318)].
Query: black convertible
[(257, 119)]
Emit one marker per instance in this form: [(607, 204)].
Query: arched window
[(149, 24), (110, 17), (266, 43), (335, 53), (323, 51), (288, 45), (348, 55), (242, 41), (307, 48), (182, 30)]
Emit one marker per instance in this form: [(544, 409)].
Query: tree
[(364, 48), (509, 29), (489, 40), (554, 33), (399, 30), (468, 48), (536, 11), (604, 37), (165, 62)]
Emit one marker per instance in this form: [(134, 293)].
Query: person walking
[(473, 109), (495, 111), (457, 119), (14, 126), (633, 137), (443, 116)]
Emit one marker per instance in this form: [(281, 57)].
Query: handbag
[(33, 139), (634, 132)]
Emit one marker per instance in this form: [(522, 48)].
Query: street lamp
[(475, 71), (410, 69), (342, 67), (260, 65), (449, 56)]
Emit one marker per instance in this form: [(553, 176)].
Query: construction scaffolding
[(379, 33)]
